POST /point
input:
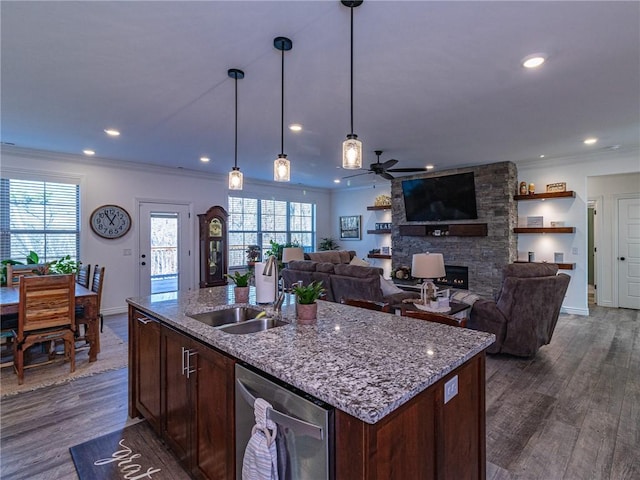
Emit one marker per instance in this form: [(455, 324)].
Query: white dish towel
[(260, 460)]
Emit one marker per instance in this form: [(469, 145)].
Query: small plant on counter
[(240, 279), (308, 294)]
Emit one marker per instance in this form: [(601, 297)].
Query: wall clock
[(110, 221)]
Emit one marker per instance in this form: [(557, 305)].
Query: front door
[(629, 253), (164, 256)]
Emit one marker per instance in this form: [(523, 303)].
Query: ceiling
[(434, 82)]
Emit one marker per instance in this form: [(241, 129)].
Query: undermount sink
[(226, 316), (253, 326)]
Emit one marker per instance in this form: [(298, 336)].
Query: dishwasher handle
[(299, 426)]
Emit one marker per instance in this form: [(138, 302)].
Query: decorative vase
[(307, 313), (241, 294)]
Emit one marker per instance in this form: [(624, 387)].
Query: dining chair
[(46, 314), (96, 286), (83, 276), (436, 317), (15, 272), (368, 304)]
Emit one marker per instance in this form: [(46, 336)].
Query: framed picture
[(350, 227)]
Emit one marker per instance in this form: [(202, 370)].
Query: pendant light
[(352, 147), (235, 175), (282, 166)]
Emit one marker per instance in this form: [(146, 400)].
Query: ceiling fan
[(384, 168)]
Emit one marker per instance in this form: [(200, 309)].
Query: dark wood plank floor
[(572, 412)]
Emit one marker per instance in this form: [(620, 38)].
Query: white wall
[(606, 190), (105, 181), (575, 172), (355, 202)]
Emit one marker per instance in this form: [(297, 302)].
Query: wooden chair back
[(368, 304), (46, 314), (15, 272), (83, 277), (46, 301), (97, 283), (436, 317)]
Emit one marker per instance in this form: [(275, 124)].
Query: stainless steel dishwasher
[(305, 427)]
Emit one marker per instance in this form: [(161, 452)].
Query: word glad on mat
[(124, 457)]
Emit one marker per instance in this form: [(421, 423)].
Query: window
[(39, 216), (256, 222)]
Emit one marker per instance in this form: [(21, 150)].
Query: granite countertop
[(362, 362)]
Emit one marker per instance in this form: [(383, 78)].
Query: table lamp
[(292, 253), (427, 266)]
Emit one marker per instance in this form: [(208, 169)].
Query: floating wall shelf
[(542, 196), (379, 231), (561, 266), (379, 255), (379, 207), (545, 230)]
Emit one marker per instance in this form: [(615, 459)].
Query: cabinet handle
[(184, 369), (189, 370), (146, 320)]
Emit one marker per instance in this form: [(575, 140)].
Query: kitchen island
[(385, 375)]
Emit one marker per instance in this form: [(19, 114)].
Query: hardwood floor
[(572, 412)]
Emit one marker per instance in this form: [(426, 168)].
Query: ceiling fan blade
[(386, 175), (358, 174), (407, 170), (389, 163)]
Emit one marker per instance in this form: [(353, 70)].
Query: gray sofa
[(342, 280)]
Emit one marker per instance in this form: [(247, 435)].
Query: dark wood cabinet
[(425, 438), (213, 247), (198, 405), (147, 367)]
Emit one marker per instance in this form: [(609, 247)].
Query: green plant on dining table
[(308, 294), (240, 279)]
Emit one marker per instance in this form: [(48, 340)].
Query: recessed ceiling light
[(204, 159), (590, 141), (533, 61), (542, 156), (295, 127), (111, 132), (430, 167), (88, 152), (337, 180)]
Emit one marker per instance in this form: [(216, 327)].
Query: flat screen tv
[(450, 197)]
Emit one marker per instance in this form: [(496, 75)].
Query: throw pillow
[(388, 287), (359, 262)]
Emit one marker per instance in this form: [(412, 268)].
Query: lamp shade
[(292, 253), (427, 265)]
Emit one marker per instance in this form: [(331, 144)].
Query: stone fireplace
[(483, 253)]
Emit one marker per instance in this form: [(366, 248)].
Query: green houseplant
[(328, 243), (241, 291), (306, 306)]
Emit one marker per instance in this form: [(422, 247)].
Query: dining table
[(10, 299)]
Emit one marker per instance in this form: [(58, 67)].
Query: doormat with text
[(134, 452)]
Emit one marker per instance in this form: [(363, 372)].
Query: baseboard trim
[(575, 311)]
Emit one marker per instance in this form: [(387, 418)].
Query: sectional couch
[(342, 279)]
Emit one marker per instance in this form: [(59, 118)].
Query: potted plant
[(306, 306), (241, 290), (328, 243), (253, 254)]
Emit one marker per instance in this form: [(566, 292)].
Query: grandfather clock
[(213, 247)]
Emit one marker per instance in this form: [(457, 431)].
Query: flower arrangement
[(402, 273)]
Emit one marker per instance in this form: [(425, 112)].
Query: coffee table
[(448, 318)]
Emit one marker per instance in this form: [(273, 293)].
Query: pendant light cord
[(351, 70), (235, 162), (282, 109)]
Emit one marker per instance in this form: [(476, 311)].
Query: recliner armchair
[(526, 310)]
